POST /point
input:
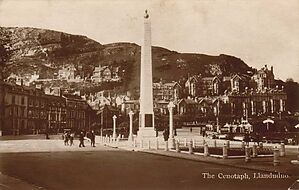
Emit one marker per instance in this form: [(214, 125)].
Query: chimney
[(271, 69)]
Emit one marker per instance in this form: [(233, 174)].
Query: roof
[(169, 84), (210, 78), (188, 101), (71, 96), (193, 78)]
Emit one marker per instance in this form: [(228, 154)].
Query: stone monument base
[(146, 132)]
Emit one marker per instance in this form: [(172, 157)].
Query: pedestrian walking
[(92, 139), (66, 139), (72, 135), (81, 139), (47, 134)]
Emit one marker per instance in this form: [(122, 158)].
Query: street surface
[(108, 168)]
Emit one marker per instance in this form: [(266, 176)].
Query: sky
[(259, 32)]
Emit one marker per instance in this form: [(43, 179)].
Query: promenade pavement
[(262, 164), (43, 145), (9, 183)]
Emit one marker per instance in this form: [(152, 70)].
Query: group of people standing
[(68, 138)]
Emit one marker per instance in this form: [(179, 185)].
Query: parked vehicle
[(222, 136)]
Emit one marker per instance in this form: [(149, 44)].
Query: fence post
[(206, 150), (215, 143), (141, 143), (224, 152), (254, 151), (190, 147), (157, 143), (166, 145), (177, 146), (275, 156), (282, 150), (149, 144), (228, 144), (247, 154), (185, 142)]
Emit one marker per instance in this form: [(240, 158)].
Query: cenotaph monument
[(146, 114)]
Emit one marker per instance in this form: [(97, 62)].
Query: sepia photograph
[(149, 95)]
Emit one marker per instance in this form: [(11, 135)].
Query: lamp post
[(170, 107), (217, 118), (114, 127), (131, 113)]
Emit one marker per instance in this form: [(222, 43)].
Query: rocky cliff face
[(46, 51)]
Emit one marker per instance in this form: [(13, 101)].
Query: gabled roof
[(168, 84), (236, 76), (207, 100), (192, 78), (187, 101), (172, 84), (210, 78)]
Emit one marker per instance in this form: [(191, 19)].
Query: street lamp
[(267, 121), (131, 113), (114, 127), (170, 107)]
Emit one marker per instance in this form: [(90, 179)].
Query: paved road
[(116, 169)]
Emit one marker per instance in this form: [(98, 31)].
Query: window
[(22, 100)]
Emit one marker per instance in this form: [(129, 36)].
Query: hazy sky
[(257, 31)]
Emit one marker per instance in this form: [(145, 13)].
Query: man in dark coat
[(166, 134), (92, 137), (81, 139)]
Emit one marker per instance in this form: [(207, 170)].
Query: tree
[(292, 90), (5, 50)]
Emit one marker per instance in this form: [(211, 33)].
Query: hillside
[(46, 51)]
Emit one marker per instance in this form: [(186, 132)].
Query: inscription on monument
[(148, 120)]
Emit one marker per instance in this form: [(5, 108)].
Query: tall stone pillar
[(131, 113), (281, 108), (244, 107), (114, 127), (252, 108), (264, 106), (146, 115), (272, 105), (171, 134)]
